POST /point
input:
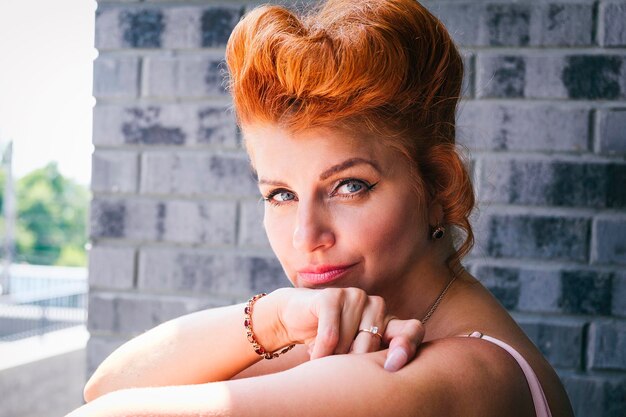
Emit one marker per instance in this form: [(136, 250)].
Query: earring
[(439, 232)]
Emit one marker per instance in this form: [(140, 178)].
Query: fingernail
[(396, 359)]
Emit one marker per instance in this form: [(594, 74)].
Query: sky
[(46, 103)]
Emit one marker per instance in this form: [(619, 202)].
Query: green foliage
[(51, 219)]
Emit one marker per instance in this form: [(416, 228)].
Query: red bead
[(246, 322), (247, 310)]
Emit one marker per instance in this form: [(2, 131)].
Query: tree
[(51, 219)]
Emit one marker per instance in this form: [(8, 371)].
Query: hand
[(328, 321)]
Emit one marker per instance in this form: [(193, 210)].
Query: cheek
[(279, 233), (394, 229)]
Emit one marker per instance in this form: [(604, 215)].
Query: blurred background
[(122, 168), (46, 101)]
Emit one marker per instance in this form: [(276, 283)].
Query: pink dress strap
[(539, 398)]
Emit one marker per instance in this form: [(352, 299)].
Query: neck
[(417, 291)]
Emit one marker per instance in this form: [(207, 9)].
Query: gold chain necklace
[(438, 300)]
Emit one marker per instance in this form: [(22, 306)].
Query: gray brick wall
[(176, 223)]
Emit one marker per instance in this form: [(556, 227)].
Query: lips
[(323, 274)]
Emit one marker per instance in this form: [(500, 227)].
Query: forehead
[(273, 149)]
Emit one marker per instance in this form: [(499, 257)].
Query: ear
[(435, 213)]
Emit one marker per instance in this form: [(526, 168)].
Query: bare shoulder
[(451, 377), (470, 377)]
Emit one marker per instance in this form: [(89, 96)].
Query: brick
[(142, 28), (131, 314), (165, 125), (508, 24), (107, 219), (549, 290), (596, 395), (266, 273), (116, 77), (111, 267), (613, 16), (503, 283), (611, 131), (182, 28), (130, 27), (553, 183), (607, 345), (189, 76), (217, 126), (559, 340), (203, 272), (500, 76), (217, 23), (539, 290), (502, 24), (211, 223), (197, 174), (114, 171), (200, 222), (529, 127), (587, 77), (126, 219), (545, 75), (535, 236), (595, 77), (108, 33), (618, 303), (562, 24), (462, 21), (178, 27), (197, 271), (609, 236), (467, 87), (585, 292), (251, 231), (151, 125)]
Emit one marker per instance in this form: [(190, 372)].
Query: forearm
[(205, 346), (335, 385)]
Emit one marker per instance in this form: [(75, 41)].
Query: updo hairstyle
[(382, 67)]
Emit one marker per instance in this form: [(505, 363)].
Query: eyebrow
[(348, 163)]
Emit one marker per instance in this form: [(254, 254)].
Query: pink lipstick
[(322, 274)]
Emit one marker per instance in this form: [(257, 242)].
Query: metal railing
[(42, 299)]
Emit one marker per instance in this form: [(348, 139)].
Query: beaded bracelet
[(248, 325)]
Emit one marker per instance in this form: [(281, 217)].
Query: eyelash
[(367, 187)]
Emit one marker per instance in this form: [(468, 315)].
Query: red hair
[(385, 66)]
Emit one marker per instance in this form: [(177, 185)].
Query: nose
[(313, 230)]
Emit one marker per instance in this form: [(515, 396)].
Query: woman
[(348, 119)]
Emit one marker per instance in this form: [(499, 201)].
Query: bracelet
[(248, 325)]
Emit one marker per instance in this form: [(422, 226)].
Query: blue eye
[(280, 197), (350, 187), (283, 196)]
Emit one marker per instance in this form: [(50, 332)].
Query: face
[(339, 211)]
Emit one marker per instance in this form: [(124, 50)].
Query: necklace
[(438, 300)]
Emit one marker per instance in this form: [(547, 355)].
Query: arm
[(205, 346), (449, 377), (211, 345)]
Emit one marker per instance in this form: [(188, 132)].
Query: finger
[(365, 342), (387, 334), (406, 335), (373, 315), (352, 312), (328, 326)]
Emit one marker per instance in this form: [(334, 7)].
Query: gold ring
[(373, 330)]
